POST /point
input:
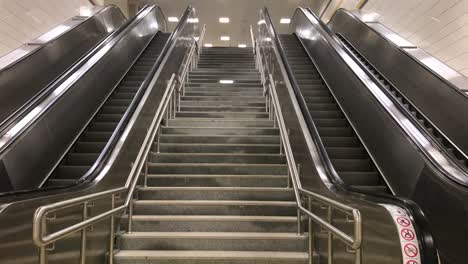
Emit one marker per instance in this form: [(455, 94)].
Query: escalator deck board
[(347, 154), (90, 144)]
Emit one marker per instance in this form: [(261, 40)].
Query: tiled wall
[(440, 27), (24, 20)]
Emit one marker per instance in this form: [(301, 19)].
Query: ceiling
[(242, 14)]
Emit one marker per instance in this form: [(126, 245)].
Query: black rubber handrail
[(445, 81), (29, 105), (458, 157), (422, 227), (98, 165)]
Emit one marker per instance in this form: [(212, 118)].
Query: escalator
[(347, 154), (23, 84), (90, 144)]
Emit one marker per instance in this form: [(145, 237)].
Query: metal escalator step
[(346, 153), (360, 178), (356, 165), (330, 122), (96, 136), (102, 127), (370, 188), (89, 147), (335, 131), (118, 102), (123, 95), (322, 107), (108, 117), (113, 109), (81, 159), (326, 114), (71, 172), (346, 142)]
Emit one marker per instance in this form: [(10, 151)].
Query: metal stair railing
[(167, 108), (304, 209)]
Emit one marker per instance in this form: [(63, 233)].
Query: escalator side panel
[(37, 152), (438, 99), (407, 170), (86, 150), (22, 80)]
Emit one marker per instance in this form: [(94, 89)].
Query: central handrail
[(166, 110), (354, 242)]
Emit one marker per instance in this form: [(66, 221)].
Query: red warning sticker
[(408, 240), (407, 234), (403, 221), (411, 250)]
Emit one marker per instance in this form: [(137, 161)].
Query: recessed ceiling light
[(173, 19), (224, 20), (208, 45), (226, 81), (225, 38), (193, 20), (242, 46), (285, 21)]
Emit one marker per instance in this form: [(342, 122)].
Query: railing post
[(330, 236), (309, 227), (299, 222), (111, 233), (130, 215), (42, 249), (158, 139), (83, 235), (145, 173)]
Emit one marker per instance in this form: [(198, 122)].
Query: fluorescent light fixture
[(173, 19), (196, 38), (242, 46), (260, 22), (208, 45), (285, 20), (268, 39), (226, 81), (225, 38), (224, 20), (193, 20)]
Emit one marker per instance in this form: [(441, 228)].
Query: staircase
[(217, 189)]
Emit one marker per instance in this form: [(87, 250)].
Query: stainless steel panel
[(16, 236), (21, 81), (441, 101)]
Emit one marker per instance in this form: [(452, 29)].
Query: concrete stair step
[(226, 131), (217, 180), (212, 223), (218, 148), (216, 193), (223, 108), (243, 115), (239, 97), (220, 122), (209, 257), (221, 103), (224, 93), (220, 139), (215, 207), (217, 168), (217, 158), (229, 241)]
